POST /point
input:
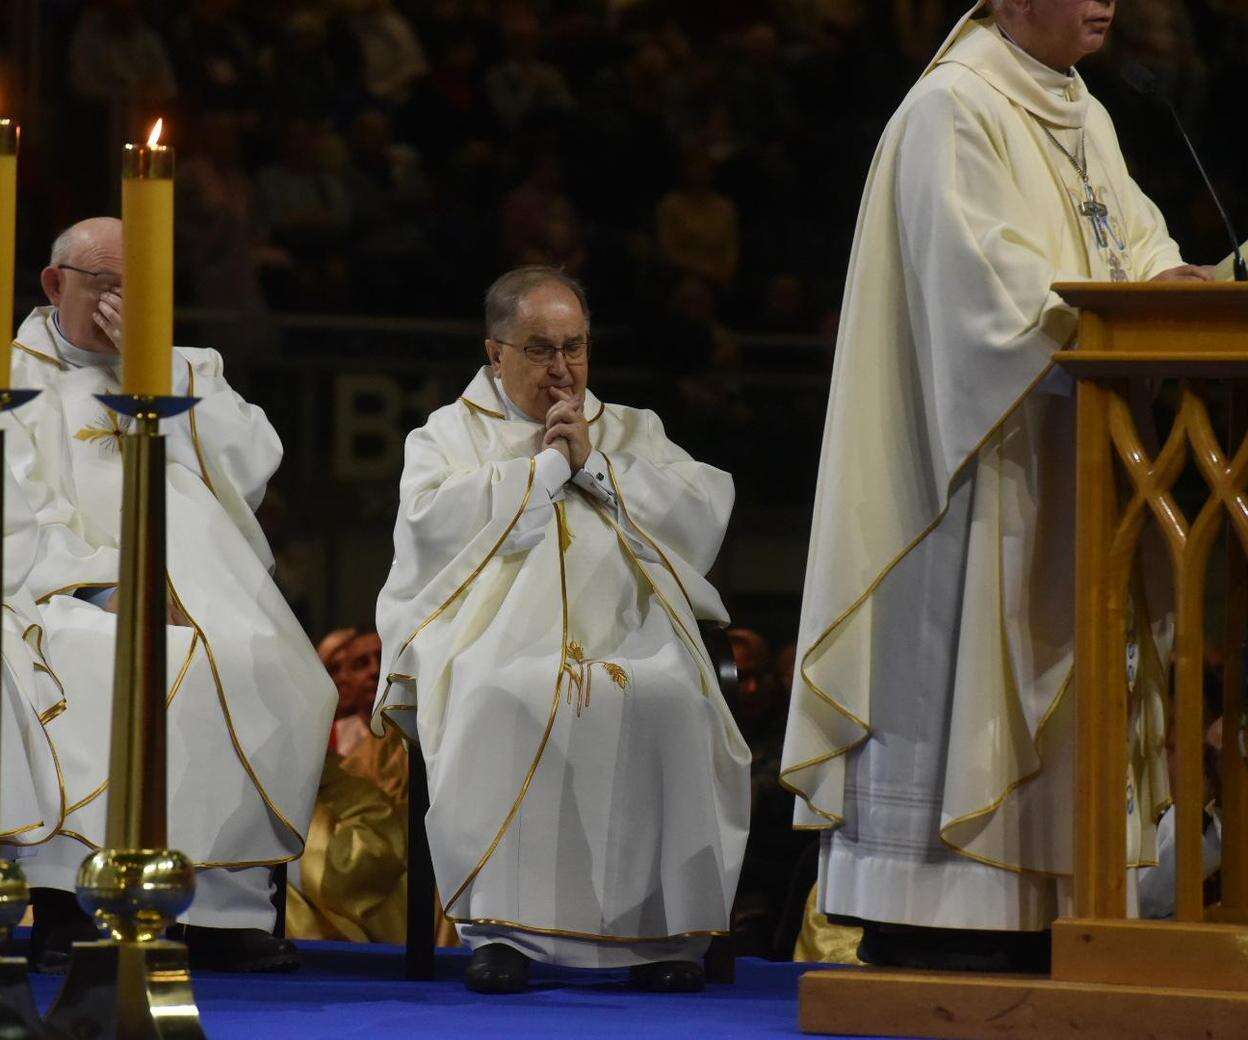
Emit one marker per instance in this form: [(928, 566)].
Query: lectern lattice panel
[(1150, 493)]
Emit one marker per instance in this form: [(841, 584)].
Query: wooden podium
[(1113, 977)]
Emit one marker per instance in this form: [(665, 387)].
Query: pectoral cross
[(1098, 214)]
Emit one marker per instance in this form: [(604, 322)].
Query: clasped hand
[(566, 428)]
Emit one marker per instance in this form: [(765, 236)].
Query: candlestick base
[(142, 406), (10, 399), (134, 985), (135, 894), (127, 991)]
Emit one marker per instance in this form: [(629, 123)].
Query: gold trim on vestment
[(88, 799), (482, 409), (79, 838), (500, 415), (619, 497), (199, 454), (1013, 786), (173, 692), (690, 644), (42, 665), (560, 933), (1050, 711), (47, 716), (238, 747), (476, 571), (836, 820), (541, 748), (47, 359), (17, 832), (60, 784), (69, 590)]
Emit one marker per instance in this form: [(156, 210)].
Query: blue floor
[(347, 990)]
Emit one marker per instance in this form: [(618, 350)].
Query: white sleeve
[(595, 479), (550, 475)]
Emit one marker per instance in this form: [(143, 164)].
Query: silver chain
[(1081, 168)]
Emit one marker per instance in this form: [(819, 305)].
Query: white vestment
[(930, 734), (250, 703), (589, 790), (31, 796)]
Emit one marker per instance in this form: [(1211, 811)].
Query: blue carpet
[(347, 990)]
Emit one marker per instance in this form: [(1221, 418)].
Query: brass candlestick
[(19, 1019), (134, 984)]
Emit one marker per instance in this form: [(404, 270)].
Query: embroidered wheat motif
[(580, 673)]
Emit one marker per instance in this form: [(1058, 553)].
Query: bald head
[(85, 267), (79, 242)]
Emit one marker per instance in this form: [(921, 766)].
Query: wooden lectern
[(1113, 977)]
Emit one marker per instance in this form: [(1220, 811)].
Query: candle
[(147, 253), (10, 132)]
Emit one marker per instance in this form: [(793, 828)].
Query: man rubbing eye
[(589, 791)]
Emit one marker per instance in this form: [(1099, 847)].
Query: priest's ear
[(53, 281), (494, 354)]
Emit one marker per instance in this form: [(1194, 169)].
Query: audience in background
[(634, 143)]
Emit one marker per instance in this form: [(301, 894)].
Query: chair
[(719, 963)]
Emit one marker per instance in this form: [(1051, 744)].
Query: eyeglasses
[(110, 285), (544, 353)]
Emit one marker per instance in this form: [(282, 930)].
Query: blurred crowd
[(698, 163)]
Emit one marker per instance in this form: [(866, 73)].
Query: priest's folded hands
[(250, 704), (589, 790)]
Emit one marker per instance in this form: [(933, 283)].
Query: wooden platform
[(886, 1002)]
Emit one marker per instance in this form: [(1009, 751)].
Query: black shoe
[(954, 949), (497, 968), (668, 977), (59, 923), (236, 949)]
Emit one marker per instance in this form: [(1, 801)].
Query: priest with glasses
[(589, 790)]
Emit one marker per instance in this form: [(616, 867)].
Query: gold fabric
[(822, 942), (383, 763), (353, 875)]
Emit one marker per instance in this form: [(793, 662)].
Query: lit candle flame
[(154, 137)]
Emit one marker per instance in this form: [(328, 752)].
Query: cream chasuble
[(32, 803), (589, 790), (250, 704), (930, 733)]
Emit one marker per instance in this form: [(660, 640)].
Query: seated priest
[(931, 728), (249, 704), (589, 790), (31, 697)]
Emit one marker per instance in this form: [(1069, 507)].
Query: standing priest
[(250, 704), (931, 727), (589, 791)]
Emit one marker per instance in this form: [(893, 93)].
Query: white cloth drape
[(589, 790), (32, 802)]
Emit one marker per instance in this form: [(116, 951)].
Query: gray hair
[(63, 245), (502, 299)]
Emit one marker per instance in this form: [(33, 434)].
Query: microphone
[(1144, 81)]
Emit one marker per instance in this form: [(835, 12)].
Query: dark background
[(353, 173)]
